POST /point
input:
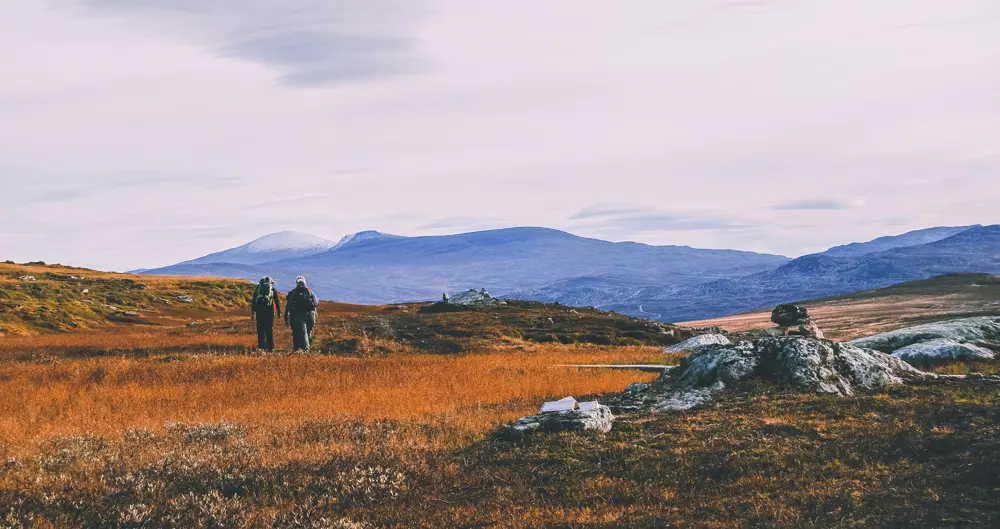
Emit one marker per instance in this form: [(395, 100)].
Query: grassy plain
[(155, 422)]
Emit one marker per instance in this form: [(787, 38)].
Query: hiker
[(263, 307), (300, 313)]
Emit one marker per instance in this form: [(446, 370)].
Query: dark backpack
[(302, 300), (263, 297)]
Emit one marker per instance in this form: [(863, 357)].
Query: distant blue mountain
[(913, 238), (976, 249), (383, 269), (671, 283)]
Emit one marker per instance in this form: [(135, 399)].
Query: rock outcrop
[(599, 419), (699, 342), (943, 349), (473, 297), (802, 363), (981, 333)]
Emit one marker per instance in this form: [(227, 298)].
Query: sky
[(139, 133)]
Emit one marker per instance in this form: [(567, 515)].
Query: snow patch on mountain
[(291, 241), (360, 236)]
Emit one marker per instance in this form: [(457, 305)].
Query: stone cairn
[(792, 320)]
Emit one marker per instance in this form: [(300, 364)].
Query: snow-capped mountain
[(281, 245), (361, 236)]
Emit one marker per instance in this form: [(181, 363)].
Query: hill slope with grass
[(871, 312), (52, 298)]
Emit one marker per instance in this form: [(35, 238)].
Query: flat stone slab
[(698, 342), (650, 368)]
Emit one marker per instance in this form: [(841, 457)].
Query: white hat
[(301, 281)]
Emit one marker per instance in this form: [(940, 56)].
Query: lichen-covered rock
[(943, 349), (979, 331), (599, 419), (798, 362), (474, 297), (702, 340)]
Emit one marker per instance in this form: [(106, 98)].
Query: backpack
[(303, 300), (264, 296)]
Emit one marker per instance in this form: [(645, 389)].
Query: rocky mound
[(802, 363), (968, 338)]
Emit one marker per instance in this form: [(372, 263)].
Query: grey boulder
[(943, 349), (805, 364), (980, 331)]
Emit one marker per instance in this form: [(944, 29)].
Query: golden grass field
[(154, 422), (467, 395)]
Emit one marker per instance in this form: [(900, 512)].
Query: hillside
[(52, 298), (387, 269), (871, 312), (86, 313)]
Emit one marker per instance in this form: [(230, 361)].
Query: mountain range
[(670, 283), (372, 267)]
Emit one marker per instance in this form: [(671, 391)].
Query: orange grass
[(468, 394), (125, 341)]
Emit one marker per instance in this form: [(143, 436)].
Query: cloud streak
[(635, 219), (822, 204), (307, 42)]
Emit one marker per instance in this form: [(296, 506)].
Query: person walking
[(263, 307), (300, 313)]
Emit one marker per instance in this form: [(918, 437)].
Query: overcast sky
[(138, 133)]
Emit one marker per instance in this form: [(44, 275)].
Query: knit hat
[(300, 281)]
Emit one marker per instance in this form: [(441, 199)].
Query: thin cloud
[(608, 210), (635, 219), (461, 223), (307, 42), (823, 204)]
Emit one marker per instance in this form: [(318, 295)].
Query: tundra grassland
[(132, 412)]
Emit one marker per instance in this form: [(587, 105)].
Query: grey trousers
[(303, 324)]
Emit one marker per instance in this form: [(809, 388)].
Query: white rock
[(598, 419), (943, 349), (472, 297), (698, 342)]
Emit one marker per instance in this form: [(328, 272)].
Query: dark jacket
[(299, 300), (276, 302)]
